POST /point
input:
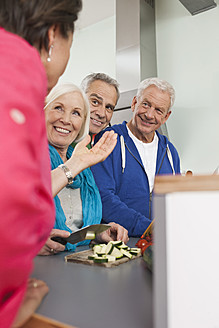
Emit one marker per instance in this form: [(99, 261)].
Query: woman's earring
[(50, 52)]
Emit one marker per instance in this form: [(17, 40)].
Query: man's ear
[(134, 101), (166, 117)]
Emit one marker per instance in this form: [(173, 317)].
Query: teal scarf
[(91, 201)]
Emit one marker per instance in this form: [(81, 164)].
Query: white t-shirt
[(72, 206), (148, 154)]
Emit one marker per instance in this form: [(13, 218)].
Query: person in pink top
[(35, 41)]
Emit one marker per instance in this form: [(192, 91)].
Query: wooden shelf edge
[(169, 183)]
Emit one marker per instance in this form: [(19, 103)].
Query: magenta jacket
[(26, 204)]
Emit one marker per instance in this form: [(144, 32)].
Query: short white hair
[(62, 89), (160, 84)]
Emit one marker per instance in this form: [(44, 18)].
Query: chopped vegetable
[(112, 251), (99, 259), (90, 235)]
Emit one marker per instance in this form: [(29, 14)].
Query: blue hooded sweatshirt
[(123, 182)]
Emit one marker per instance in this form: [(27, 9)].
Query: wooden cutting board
[(82, 257), (38, 320)]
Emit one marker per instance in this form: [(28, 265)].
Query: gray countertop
[(96, 297)]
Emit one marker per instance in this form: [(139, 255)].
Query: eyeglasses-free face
[(150, 111), (64, 119), (102, 98)]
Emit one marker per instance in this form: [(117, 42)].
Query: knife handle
[(59, 240)]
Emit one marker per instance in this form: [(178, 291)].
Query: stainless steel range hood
[(198, 6), (135, 52), (135, 42)]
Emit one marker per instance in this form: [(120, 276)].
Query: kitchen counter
[(88, 296)]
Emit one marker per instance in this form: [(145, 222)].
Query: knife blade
[(88, 232)]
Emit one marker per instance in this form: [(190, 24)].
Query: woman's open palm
[(98, 152)]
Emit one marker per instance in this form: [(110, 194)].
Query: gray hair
[(160, 84), (86, 82), (62, 89)]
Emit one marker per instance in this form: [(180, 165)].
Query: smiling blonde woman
[(76, 196)]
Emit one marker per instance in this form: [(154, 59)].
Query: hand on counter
[(115, 232), (36, 290), (52, 247)]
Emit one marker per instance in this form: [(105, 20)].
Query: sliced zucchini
[(91, 257), (97, 249), (90, 235), (109, 248), (123, 246), (112, 251), (117, 253), (103, 249), (100, 260), (135, 251), (110, 258), (126, 253), (116, 242)]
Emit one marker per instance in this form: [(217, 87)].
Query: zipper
[(162, 162), (150, 198), (150, 202), (136, 159)]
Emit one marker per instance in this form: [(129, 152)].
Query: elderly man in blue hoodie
[(126, 178)]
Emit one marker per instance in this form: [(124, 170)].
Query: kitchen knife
[(88, 232)]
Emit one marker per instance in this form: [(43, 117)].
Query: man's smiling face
[(150, 111), (102, 98)]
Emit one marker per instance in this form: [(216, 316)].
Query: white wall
[(188, 57), (93, 50)]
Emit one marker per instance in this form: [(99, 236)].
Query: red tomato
[(141, 243), (145, 247)]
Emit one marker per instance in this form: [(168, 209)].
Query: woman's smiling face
[(64, 119)]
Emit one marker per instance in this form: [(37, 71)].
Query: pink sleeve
[(26, 204)]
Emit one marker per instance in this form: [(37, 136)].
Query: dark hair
[(31, 19)]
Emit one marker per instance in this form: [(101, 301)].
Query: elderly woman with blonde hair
[(76, 196)]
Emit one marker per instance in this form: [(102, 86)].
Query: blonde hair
[(62, 89)]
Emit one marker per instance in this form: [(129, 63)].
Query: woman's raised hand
[(88, 157)]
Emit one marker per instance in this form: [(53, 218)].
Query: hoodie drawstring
[(122, 152), (122, 142), (169, 155)]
